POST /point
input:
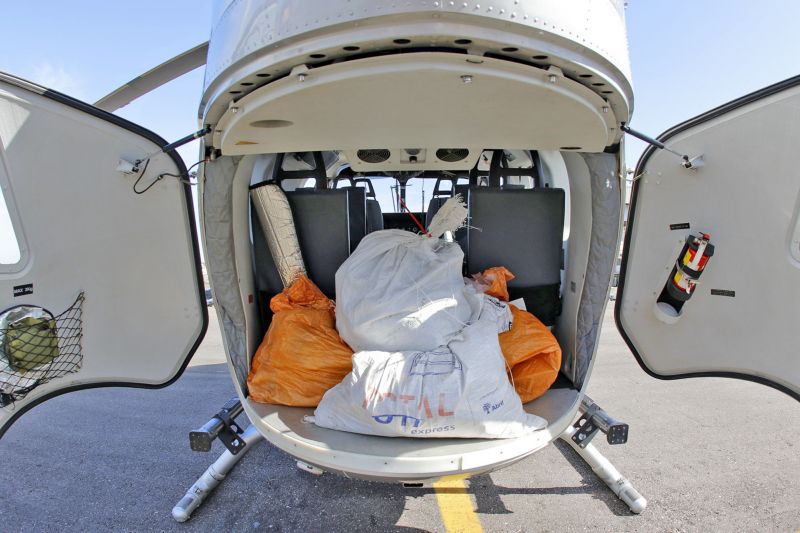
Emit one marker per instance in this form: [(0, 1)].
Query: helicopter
[(519, 99)]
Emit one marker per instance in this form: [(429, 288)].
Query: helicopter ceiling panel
[(420, 101)]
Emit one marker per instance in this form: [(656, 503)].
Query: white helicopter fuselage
[(297, 92), (398, 76)]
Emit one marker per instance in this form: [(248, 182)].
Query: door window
[(11, 256), (9, 245)]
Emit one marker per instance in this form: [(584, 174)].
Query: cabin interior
[(530, 211)]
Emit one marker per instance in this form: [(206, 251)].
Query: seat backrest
[(522, 230), (441, 195), (374, 216), (330, 223), (433, 208), (462, 189), (357, 214)]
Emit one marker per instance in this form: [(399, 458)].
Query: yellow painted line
[(455, 505)]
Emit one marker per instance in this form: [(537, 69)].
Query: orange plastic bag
[(302, 355), (533, 354), (494, 282), (530, 350)]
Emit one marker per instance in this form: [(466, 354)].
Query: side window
[(386, 193), (512, 159), (418, 193), (12, 256), (292, 184), (9, 245)]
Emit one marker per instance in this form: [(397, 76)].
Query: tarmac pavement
[(708, 454)]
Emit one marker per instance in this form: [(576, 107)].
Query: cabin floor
[(289, 424), (685, 455)]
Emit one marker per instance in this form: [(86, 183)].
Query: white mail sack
[(458, 390), (401, 291)]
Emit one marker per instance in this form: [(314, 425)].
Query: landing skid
[(594, 420), (213, 476)]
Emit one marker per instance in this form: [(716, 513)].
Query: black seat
[(374, 216), (462, 189), (433, 207), (357, 215), (330, 223), (374, 213), (522, 230), (440, 196)]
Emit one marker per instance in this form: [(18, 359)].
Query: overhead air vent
[(451, 155), (375, 155)]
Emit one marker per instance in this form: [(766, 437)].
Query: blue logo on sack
[(404, 420), (490, 408)]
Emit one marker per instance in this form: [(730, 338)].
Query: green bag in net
[(31, 342)]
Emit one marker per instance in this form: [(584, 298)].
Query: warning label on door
[(23, 290), (723, 292)]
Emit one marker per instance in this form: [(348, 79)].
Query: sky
[(687, 56)]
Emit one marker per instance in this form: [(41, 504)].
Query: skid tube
[(607, 472), (213, 476)]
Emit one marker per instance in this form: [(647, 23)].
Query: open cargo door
[(98, 285), (742, 317)]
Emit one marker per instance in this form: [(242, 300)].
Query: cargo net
[(36, 347)]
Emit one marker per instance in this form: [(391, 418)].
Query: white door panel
[(134, 257), (742, 320)]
